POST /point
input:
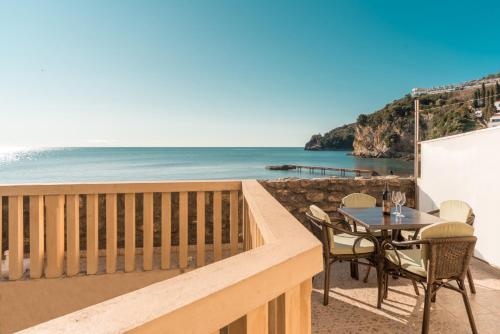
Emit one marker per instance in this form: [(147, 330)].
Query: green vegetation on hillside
[(340, 138)]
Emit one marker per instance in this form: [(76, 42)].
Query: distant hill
[(340, 138), (388, 132)]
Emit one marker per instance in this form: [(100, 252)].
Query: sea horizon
[(154, 163)]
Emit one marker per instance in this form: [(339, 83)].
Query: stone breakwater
[(294, 194), (297, 194)]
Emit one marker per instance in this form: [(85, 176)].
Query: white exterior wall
[(466, 167), (497, 105)]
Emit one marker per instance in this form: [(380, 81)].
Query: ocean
[(166, 163)]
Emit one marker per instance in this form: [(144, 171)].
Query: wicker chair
[(359, 201), (453, 211), (341, 244), (444, 255)]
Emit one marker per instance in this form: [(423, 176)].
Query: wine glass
[(394, 200), (401, 203)]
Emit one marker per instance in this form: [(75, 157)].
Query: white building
[(494, 120), (497, 105)]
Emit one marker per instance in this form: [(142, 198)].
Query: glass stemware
[(394, 199), (401, 203)]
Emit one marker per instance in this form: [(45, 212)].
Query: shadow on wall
[(425, 202)]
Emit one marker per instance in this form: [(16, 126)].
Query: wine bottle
[(386, 203)]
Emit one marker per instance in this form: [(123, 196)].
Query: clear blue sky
[(225, 73)]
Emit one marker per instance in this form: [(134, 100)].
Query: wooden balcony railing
[(265, 289), (52, 209)]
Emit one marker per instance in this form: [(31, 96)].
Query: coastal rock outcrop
[(340, 138)]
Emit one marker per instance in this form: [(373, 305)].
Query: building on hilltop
[(472, 84), (497, 105), (494, 120)]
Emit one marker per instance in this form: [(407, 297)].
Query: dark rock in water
[(281, 167)]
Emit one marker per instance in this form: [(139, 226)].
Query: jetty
[(323, 170)]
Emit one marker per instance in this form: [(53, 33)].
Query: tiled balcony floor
[(352, 307)]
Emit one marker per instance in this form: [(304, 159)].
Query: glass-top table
[(373, 219)]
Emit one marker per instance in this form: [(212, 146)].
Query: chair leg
[(367, 274), (386, 285), (354, 269), (415, 287), (427, 309), (380, 283), (471, 282), (326, 287), (433, 299), (461, 284)]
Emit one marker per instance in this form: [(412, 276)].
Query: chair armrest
[(471, 219), (360, 236), (342, 223), (433, 212), (394, 245), (346, 230), (401, 244)]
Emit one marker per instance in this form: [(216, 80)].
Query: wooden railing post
[(257, 320), (166, 229), (16, 253), (92, 234), (254, 322), (217, 227), (111, 233), (233, 221), (54, 205), (291, 312), (73, 235), (200, 228), (273, 316), (305, 306), (36, 236), (147, 232), (183, 229), (288, 312), (129, 232)]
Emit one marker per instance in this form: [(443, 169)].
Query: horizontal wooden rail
[(117, 188), (266, 289)]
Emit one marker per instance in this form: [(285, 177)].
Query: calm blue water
[(144, 164)]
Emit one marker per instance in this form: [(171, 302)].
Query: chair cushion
[(455, 211), (446, 230), (411, 260), (342, 245), (359, 200)]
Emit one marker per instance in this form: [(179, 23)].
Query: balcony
[(248, 268), (193, 257)]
